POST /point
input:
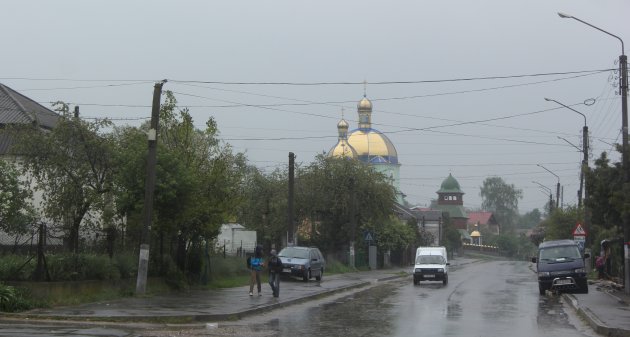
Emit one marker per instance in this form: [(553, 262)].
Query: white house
[(235, 239)]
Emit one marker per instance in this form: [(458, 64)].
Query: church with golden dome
[(368, 145)]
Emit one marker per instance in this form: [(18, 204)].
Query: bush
[(16, 267), (15, 299)]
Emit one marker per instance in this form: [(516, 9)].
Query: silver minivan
[(304, 262)]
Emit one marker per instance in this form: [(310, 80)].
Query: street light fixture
[(557, 186), (584, 150), (550, 195), (623, 89)]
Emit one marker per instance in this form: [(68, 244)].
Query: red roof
[(483, 218)]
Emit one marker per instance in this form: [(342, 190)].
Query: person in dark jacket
[(275, 267)]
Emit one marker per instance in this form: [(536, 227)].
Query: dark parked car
[(304, 262), (560, 266)]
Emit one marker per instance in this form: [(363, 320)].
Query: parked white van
[(431, 265)]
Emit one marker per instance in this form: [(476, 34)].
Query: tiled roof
[(483, 218), (16, 108)]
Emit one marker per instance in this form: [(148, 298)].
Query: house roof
[(428, 215), (483, 218), (454, 211), (16, 108)]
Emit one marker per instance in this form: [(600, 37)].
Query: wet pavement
[(606, 312)]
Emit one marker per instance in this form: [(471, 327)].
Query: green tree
[(16, 212), (561, 223), (264, 206), (530, 219), (198, 183), (72, 165), (502, 199), (326, 189)]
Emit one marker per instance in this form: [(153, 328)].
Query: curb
[(192, 321), (593, 320)]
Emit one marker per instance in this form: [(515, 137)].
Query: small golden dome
[(475, 234), (343, 150), (364, 104), (343, 124)]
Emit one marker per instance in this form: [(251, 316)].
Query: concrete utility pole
[(584, 150), (291, 231), (623, 89), (353, 222), (557, 186), (149, 186)]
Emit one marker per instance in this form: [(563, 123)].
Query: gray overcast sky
[(134, 43)]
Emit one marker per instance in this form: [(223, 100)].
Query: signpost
[(579, 236)]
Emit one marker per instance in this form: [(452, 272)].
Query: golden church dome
[(343, 124), (364, 104), (343, 150), (372, 146)]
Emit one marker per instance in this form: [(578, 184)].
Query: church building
[(368, 145)]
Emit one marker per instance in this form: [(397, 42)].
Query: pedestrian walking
[(256, 265), (275, 268)]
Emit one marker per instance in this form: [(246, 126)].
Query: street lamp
[(583, 150), (557, 186), (550, 195), (623, 88)]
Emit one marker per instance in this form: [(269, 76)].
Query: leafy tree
[(328, 187), (606, 197), (530, 219), (16, 212), (198, 183), (72, 165), (451, 238), (264, 206), (561, 223), (502, 199)]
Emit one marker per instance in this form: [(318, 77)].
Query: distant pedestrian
[(256, 265), (275, 267)]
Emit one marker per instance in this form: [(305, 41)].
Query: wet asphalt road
[(497, 298), (482, 299)]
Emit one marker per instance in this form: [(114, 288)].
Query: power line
[(395, 82)]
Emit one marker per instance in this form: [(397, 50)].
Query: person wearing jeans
[(275, 267)]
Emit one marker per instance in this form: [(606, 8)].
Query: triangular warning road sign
[(579, 231)]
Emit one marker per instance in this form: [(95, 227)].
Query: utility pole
[(291, 231), (623, 88), (353, 222), (149, 187)]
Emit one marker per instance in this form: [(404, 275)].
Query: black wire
[(396, 82)]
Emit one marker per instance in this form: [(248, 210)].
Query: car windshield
[(429, 259), (559, 253), (294, 253)]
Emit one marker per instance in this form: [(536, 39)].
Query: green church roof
[(450, 185), (454, 211)]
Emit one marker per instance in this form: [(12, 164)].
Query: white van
[(431, 265)]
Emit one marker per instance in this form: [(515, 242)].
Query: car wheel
[(415, 281), (306, 276), (541, 289), (321, 275), (445, 281)]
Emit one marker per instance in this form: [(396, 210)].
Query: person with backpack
[(275, 268), (256, 265)]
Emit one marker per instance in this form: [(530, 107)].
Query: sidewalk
[(605, 309), (210, 305)]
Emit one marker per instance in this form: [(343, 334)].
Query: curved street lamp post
[(557, 186), (623, 89)]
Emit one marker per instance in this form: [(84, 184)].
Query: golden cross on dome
[(364, 88)]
